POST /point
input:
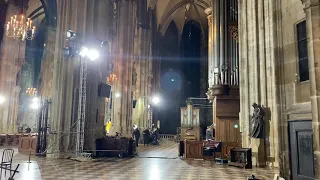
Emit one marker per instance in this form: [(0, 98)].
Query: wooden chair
[(6, 161)]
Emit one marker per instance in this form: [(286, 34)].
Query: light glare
[(84, 51), (117, 95), (34, 105), (2, 99), (35, 99), (155, 100), (93, 54)]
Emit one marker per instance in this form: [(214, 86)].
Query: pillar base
[(258, 152), (317, 164)]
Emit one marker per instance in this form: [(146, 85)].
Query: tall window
[(302, 51)]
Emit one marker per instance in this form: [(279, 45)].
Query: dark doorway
[(301, 149)]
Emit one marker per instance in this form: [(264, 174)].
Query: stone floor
[(153, 162)]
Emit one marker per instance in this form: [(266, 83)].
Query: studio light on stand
[(83, 51), (75, 48), (71, 35), (92, 54)]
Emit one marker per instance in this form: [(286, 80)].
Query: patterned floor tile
[(152, 163)]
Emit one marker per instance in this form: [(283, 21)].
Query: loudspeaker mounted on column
[(104, 90), (134, 103)]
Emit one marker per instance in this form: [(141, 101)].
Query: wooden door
[(301, 149)]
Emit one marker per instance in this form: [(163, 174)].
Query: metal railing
[(168, 137)]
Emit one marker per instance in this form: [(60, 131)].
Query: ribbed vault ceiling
[(179, 11)]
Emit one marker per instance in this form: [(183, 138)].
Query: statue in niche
[(134, 74), (257, 121)]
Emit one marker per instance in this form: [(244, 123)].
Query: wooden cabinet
[(28, 144), (226, 118), (193, 149)]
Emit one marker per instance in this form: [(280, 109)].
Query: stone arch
[(168, 15)]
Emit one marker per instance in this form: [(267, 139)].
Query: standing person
[(136, 134), (108, 127), (28, 130), (208, 133), (146, 133)]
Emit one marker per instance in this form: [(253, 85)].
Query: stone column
[(216, 43), (142, 77), (210, 47), (312, 10), (47, 65), (258, 56), (12, 58), (123, 50)]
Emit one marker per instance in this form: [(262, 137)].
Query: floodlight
[(93, 54), (70, 35), (35, 105), (155, 100), (84, 51)]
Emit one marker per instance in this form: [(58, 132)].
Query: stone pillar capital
[(208, 11), (310, 3)]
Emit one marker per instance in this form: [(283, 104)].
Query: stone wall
[(268, 52), (258, 75), (12, 55)]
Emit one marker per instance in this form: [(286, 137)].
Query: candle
[(30, 23), (8, 25), (11, 20), (27, 24)]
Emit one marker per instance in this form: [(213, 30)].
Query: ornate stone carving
[(210, 97), (234, 32), (210, 20), (257, 121)]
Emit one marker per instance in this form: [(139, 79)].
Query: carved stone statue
[(257, 121)]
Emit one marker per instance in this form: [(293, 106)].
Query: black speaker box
[(104, 90), (134, 103)]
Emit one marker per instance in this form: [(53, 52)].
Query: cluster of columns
[(133, 67), (11, 60), (130, 55), (257, 56)]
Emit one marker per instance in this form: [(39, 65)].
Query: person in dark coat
[(136, 134), (146, 134)]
